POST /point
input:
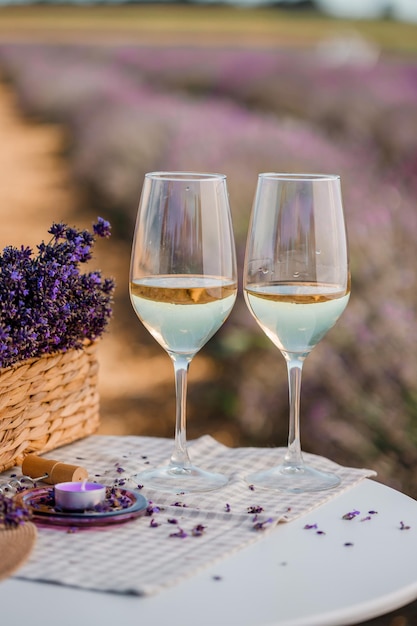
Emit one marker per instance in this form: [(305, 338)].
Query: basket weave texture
[(47, 402)]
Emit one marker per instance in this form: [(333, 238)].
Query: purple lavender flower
[(11, 514), (46, 303), (102, 228)]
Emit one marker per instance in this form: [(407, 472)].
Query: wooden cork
[(52, 472)]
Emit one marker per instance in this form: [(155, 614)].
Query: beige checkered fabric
[(141, 556)]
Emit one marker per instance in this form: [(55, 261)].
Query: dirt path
[(33, 180)]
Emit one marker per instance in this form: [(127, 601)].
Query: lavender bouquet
[(47, 304)]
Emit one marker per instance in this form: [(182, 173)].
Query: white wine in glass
[(296, 285), (183, 285)]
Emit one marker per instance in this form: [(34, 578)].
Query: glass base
[(180, 479), (294, 479)]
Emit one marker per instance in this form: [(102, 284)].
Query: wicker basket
[(47, 402)]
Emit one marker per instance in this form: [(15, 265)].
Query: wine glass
[(183, 285), (296, 285)]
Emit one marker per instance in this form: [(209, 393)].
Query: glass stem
[(180, 458), (293, 457)]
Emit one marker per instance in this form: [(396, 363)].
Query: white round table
[(337, 572)]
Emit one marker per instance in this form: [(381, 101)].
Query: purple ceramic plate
[(122, 507)]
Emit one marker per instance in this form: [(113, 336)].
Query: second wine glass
[(183, 285), (296, 285)]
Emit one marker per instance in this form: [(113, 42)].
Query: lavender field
[(130, 109)]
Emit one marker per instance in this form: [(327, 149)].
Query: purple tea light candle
[(79, 496)]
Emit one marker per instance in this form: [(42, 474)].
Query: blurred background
[(94, 95)]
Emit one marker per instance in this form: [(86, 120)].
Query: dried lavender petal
[(351, 515), (198, 530), (255, 509), (180, 533), (151, 509), (262, 525)]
